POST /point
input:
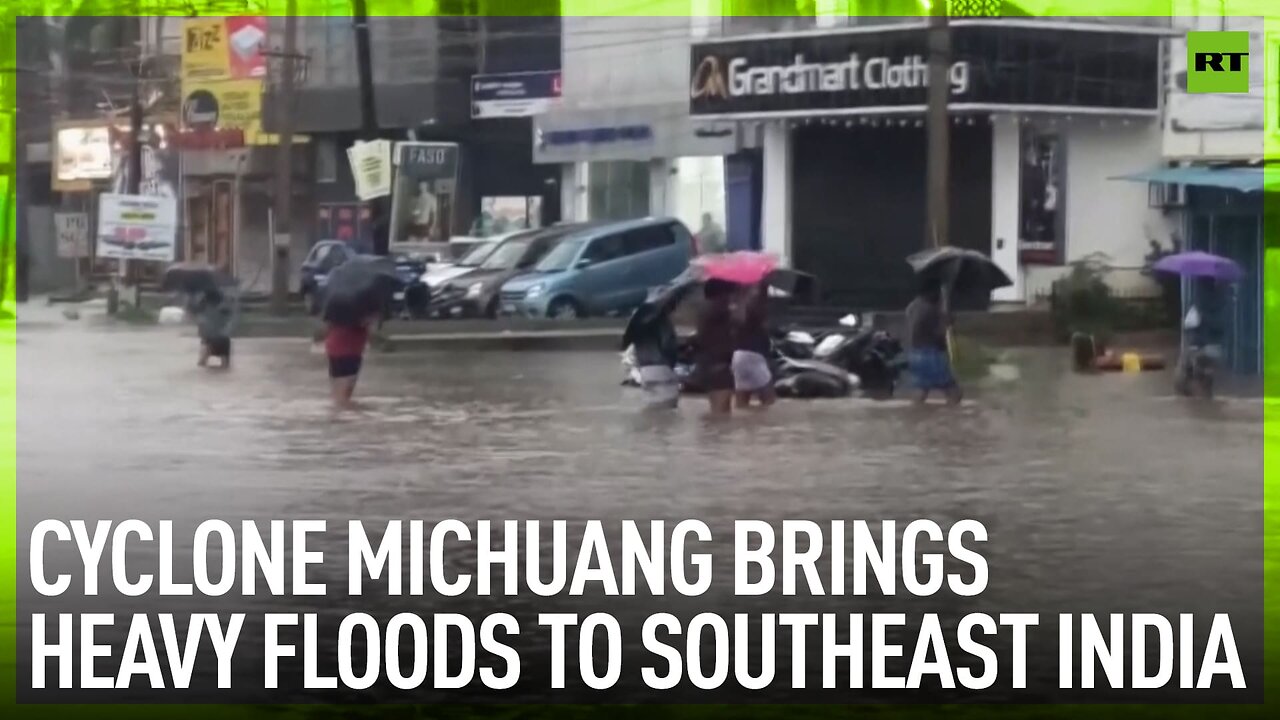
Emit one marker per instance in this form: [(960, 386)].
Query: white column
[(660, 179), (776, 210), (1005, 186)]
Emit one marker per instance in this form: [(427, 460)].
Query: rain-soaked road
[(1099, 493)]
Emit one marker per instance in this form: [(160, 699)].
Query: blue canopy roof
[(1243, 179)]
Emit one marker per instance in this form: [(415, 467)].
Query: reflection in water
[(1096, 491)]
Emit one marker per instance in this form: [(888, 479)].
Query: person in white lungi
[(752, 375), (655, 356)]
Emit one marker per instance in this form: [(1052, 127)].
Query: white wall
[(1109, 216), (697, 186)]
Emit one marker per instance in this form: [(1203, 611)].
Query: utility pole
[(133, 179), (283, 213), (938, 126), (369, 128)]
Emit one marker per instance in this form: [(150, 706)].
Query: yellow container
[(1131, 362)]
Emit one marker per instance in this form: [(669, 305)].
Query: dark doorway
[(859, 205)]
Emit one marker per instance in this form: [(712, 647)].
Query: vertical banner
[(371, 168), (425, 191)]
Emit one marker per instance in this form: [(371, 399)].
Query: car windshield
[(477, 255), (507, 255), (561, 256)]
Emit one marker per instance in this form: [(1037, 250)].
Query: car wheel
[(564, 309)]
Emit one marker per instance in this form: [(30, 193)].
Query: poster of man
[(423, 195)]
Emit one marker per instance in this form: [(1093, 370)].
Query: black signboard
[(993, 65)]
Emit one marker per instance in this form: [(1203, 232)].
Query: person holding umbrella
[(1204, 325), (215, 317), (356, 298), (209, 302), (928, 349)]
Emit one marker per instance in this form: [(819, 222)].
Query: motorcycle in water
[(874, 356), (1197, 370)]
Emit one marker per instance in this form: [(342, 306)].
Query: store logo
[(708, 80), (200, 111), (1217, 62)]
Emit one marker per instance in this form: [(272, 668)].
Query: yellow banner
[(239, 107), (204, 49)]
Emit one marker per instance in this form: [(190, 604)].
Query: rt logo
[(1217, 62)]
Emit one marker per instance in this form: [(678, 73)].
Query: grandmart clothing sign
[(995, 64)]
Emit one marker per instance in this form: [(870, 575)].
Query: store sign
[(514, 94), (223, 70), (137, 227), (72, 231), (992, 65), (82, 154), (595, 136), (220, 48)]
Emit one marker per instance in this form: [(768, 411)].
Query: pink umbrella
[(743, 268)]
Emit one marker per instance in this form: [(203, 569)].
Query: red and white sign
[(245, 39)]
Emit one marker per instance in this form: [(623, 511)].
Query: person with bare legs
[(928, 351), (345, 345), (752, 376), (714, 361)]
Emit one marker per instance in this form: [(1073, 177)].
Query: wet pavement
[(1099, 493)]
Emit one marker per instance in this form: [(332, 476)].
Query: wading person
[(714, 350), (345, 345), (215, 316), (927, 351), (752, 376)]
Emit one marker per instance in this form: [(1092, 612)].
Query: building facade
[(1212, 183), (422, 71), (1041, 112), (752, 119)]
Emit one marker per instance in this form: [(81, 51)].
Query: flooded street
[(1099, 494)]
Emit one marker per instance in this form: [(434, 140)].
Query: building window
[(326, 160), (617, 190)]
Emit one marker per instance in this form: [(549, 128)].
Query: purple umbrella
[(1199, 264)]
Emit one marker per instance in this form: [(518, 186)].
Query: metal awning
[(1243, 179)]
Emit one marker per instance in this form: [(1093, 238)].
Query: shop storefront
[(1039, 112), (634, 162)]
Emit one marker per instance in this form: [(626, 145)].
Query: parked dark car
[(329, 254), (475, 294)]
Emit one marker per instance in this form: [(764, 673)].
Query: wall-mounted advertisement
[(423, 198), (1203, 112), (82, 154), (521, 94)]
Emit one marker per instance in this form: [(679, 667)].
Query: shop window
[(1041, 203), (618, 190), (326, 161)]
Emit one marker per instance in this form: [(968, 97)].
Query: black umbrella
[(194, 278), (959, 270), (659, 305), (800, 287), (360, 287)]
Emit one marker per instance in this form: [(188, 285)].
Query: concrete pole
[(283, 213), (938, 124)]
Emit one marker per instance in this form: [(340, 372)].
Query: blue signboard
[(514, 94)]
